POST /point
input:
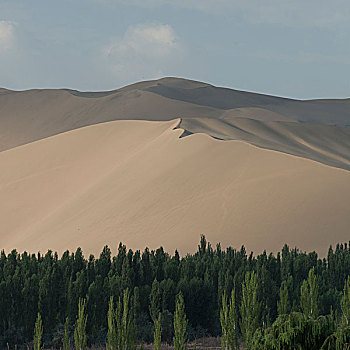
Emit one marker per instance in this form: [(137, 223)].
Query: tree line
[(303, 329), (32, 284)]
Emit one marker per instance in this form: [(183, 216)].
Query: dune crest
[(270, 122)]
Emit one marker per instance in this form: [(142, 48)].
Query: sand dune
[(35, 114), (146, 165), (326, 144), (140, 183), (276, 123)]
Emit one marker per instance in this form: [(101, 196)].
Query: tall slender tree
[(157, 335), (111, 333), (80, 326), (66, 339), (224, 321), (345, 303), (38, 333), (228, 320), (126, 330), (309, 295), (250, 307), (283, 303), (154, 301), (180, 324)]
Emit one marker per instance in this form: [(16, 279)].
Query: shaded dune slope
[(326, 144), (138, 181)]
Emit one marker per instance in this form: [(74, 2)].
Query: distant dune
[(140, 183), (266, 121), (161, 162)]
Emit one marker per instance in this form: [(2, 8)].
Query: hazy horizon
[(296, 50), (165, 77)]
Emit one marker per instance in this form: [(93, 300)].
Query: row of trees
[(121, 334), (52, 286), (304, 329)]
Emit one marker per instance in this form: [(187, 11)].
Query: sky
[(291, 48)]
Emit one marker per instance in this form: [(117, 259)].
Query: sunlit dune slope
[(140, 183)]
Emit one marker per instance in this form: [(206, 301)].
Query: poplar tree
[(66, 340), (157, 335), (250, 307), (154, 299), (345, 303), (180, 324), (38, 333), (80, 326), (283, 303), (309, 296), (228, 320), (126, 331), (111, 333), (224, 321)]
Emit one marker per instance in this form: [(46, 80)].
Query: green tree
[(157, 335), (309, 295), (228, 320), (66, 339), (111, 333), (295, 331), (154, 299), (180, 324), (250, 307), (283, 303), (126, 330), (38, 333), (80, 326), (345, 303)]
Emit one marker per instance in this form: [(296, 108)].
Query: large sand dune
[(317, 129), (140, 183), (161, 162)]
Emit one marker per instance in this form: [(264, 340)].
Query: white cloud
[(145, 51), (6, 35)]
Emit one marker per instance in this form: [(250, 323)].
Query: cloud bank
[(145, 51)]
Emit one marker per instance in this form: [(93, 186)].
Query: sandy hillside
[(138, 182), (317, 130)]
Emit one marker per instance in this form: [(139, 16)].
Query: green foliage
[(229, 323), (80, 326), (283, 304), (339, 340), (157, 335), (111, 334), (53, 285), (38, 333), (126, 330), (224, 321), (66, 339), (309, 295), (155, 300), (305, 330), (180, 324), (250, 307), (294, 331), (345, 303)]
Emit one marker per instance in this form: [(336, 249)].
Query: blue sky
[(294, 48)]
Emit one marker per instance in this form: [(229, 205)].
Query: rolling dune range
[(161, 162)]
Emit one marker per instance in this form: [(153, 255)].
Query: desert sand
[(141, 183), (315, 129)]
